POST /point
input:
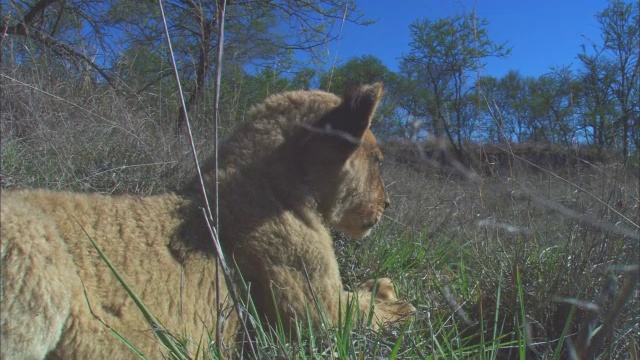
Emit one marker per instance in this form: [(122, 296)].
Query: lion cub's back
[(45, 253), (36, 281)]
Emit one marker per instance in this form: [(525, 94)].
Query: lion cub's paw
[(387, 308), (383, 288)]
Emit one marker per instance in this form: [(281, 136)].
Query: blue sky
[(542, 33)]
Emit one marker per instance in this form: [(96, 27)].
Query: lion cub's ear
[(351, 119)]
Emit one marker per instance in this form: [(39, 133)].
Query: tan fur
[(306, 160)]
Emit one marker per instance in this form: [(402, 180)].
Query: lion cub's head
[(342, 163), (305, 150)]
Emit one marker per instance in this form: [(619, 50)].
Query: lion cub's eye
[(375, 158)]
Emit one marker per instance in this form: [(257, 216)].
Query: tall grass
[(515, 269), (502, 259)]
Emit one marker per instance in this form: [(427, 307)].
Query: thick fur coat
[(305, 161)]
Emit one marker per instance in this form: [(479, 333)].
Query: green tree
[(368, 69), (356, 71), (552, 107), (505, 107), (263, 32), (68, 34), (597, 101), (620, 26), (444, 55), (256, 32), (511, 101)]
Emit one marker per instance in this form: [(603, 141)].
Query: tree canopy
[(437, 91)]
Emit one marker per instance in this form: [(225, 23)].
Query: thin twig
[(335, 58), (216, 92), (207, 209), (227, 276), (222, 5), (184, 113)]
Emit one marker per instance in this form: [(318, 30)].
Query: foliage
[(436, 92), (444, 54), (619, 69)]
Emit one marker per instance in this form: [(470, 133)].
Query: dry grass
[(502, 258), (61, 135), (519, 250)]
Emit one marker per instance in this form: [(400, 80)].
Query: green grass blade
[(156, 326)]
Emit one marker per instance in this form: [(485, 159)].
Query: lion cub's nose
[(387, 203)]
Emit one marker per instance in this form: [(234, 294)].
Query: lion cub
[(306, 160)]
